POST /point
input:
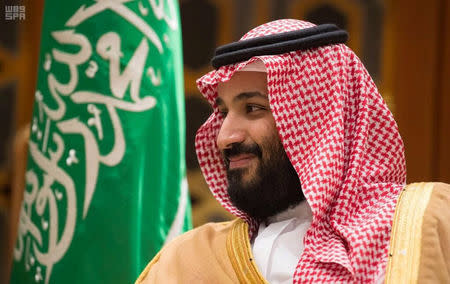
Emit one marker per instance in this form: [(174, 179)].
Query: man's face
[(261, 179)]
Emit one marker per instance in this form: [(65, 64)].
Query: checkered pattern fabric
[(344, 144)]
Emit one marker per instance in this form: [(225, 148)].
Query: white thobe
[(279, 243)]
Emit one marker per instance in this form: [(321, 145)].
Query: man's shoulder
[(200, 253), (419, 249), (427, 198), (207, 232)]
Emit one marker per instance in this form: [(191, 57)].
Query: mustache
[(239, 148)]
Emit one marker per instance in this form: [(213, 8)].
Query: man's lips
[(239, 161)]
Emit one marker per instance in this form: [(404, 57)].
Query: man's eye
[(253, 108)]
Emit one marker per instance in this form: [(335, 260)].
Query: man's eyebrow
[(241, 96), (247, 95)]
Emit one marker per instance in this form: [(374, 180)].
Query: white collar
[(302, 212), (278, 245)]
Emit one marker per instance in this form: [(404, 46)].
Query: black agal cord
[(278, 43)]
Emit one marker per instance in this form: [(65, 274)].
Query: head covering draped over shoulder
[(343, 143)]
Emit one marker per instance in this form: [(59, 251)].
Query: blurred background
[(404, 44)]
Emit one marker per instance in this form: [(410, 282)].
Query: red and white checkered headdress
[(344, 144)]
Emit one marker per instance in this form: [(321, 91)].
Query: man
[(303, 150)]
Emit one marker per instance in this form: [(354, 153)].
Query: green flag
[(105, 182)]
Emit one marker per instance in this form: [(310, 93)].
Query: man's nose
[(230, 132)]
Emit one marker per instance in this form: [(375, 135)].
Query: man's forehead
[(243, 82), (242, 97)]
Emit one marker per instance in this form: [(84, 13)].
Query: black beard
[(275, 186)]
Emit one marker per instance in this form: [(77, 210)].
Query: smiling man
[(302, 149), (254, 158)]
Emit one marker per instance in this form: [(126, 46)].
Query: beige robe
[(420, 238), (221, 252)]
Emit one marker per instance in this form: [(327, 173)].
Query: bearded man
[(303, 150)]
